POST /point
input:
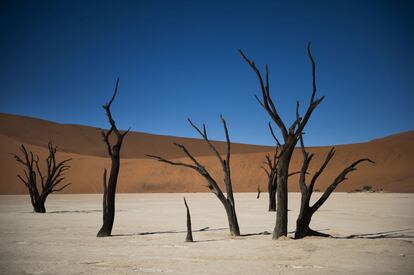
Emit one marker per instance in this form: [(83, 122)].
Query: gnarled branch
[(227, 201), (267, 103)]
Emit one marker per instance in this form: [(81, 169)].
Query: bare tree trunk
[(303, 223), (271, 187), (282, 200), (39, 205), (104, 197), (258, 192), (272, 201), (189, 237), (282, 194), (232, 219), (109, 189), (109, 213)]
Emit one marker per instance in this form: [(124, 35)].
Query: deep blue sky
[(178, 59)]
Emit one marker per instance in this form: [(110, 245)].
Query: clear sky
[(176, 59)]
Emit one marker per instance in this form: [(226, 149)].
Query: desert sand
[(393, 171), (149, 234)]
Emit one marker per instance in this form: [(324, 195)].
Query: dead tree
[(189, 237), (307, 211), (271, 173), (109, 187), (290, 137), (227, 201), (49, 182), (258, 191)]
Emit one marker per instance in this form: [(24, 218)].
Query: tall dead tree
[(290, 137), (227, 201), (109, 187), (189, 237), (55, 174), (307, 211)]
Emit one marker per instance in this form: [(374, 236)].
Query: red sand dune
[(393, 171)]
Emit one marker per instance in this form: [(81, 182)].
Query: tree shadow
[(74, 211), (255, 234), (392, 234), (167, 232), (210, 240)]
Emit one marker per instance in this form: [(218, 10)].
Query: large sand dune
[(393, 171), (85, 140)]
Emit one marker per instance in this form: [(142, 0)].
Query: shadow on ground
[(393, 234), (167, 232), (74, 211)]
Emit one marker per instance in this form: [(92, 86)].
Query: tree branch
[(313, 103), (204, 136), (161, 159), (273, 135), (268, 104), (312, 61), (340, 178), (226, 132), (328, 158), (61, 188)]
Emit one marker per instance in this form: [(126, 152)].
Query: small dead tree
[(290, 137), (55, 174), (271, 172), (307, 211), (258, 191), (189, 237), (109, 187), (227, 201)]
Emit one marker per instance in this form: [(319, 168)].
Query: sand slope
[(393, 171)]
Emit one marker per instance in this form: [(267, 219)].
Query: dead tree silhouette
[(290, 137), (227, 201), (307, 211), (189, 237), (109, 188), (32, 173)]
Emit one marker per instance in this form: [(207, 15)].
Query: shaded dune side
[(393, 171)]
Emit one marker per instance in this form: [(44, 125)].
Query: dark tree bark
[(307, 211), (227, 201), (48, 182), (189, 237), (290, 137), (109, 188)]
